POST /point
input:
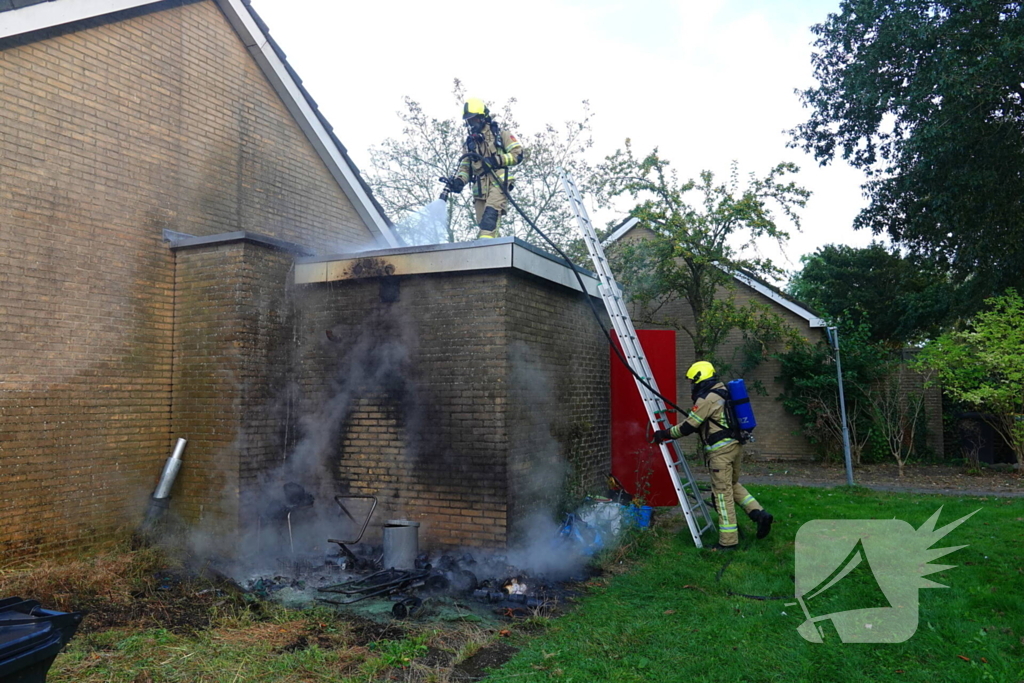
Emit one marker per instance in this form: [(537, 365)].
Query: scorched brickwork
[(468, 403)]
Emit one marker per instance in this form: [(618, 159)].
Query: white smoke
[(428, 225)]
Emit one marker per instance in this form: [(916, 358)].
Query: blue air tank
[(741, 403)]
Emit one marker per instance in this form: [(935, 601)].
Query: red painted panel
[(636, 463)]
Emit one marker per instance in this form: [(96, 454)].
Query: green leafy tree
[(811, 390), (983, 367), (927, 97), (404, 171), (701, 232), (898, 300)]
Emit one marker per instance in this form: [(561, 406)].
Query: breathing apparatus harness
[(729, 430)]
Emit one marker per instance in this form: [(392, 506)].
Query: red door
[(635, 462)]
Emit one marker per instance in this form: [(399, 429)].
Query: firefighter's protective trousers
[(725, 464), (708, 419)]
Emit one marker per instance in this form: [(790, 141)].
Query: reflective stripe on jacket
[(708, 419)]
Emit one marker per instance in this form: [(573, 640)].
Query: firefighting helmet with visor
[(700, 371), (474, 107)]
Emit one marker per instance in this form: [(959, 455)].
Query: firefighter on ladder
[(488, 148), (708, 420)]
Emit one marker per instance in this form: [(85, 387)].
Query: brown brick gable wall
[(778, 435), (111, 132)]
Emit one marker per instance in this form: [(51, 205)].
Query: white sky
[(707, 81)]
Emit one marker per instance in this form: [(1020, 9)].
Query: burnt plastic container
[(30, 639)]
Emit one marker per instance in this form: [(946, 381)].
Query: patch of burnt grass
[(66, 583), (123, 588), (365, 631), (489, 657)]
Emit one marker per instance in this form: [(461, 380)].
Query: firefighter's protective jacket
[(505, 148), (708, 418)]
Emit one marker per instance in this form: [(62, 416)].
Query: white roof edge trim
[(768, 292), (445, 259), (286, 88), (620, 231), (15, 22)]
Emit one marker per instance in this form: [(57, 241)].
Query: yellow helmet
[(475, 107), (700, 371)]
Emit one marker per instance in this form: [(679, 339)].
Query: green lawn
[(671, 617), (668, 613)]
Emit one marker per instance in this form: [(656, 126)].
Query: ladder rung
[(698, 519)]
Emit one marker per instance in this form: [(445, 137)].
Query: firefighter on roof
[(487, 146), (708, 419)]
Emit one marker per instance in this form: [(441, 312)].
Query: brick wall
[(403, 403), (114, 130), (778, 435), (560, 419), (232, 329), (447, 402)]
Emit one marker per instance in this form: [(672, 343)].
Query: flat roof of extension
[(488, 254)]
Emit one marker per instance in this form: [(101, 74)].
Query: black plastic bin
[(30, 638)]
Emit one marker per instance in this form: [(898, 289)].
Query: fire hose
[(718, 579)]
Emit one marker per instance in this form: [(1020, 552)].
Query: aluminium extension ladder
[(694, 509)]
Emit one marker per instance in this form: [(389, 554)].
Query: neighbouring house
[(178, 225), (778, 435)]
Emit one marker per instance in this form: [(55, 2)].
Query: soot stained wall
[(471, 401)]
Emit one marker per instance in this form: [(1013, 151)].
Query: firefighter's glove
[(492, 162), (456, 184), (662, 435)]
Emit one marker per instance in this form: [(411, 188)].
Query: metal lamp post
[(833, 337)]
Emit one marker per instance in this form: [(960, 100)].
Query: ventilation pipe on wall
[(159, 503)]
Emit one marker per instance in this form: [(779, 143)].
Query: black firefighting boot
[(488, 224), (764, 521)]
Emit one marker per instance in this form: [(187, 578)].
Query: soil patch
[(477, 667), (943, 479), (435, 659), (180, 605), (366, 631)]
